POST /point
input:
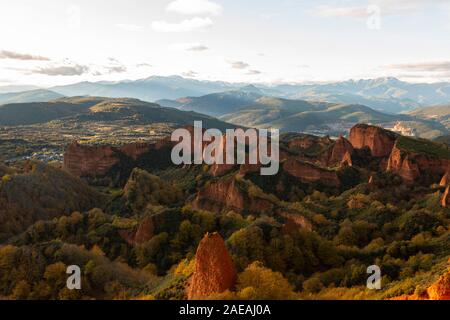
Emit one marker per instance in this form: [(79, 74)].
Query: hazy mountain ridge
[(251, 109), (386, 94), (149, 89), (38, 95)]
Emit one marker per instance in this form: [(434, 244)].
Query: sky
[(57, 42)]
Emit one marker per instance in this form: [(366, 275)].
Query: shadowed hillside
[(82, 109), (40, 192)]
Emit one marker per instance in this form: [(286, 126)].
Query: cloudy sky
[(52, 42)]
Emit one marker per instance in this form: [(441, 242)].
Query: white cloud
[(189, 74), (238, 64), (439, 66), (253, 72), (144, 65), (195, 7), (129, 27), (61, 70), (21, 56), (194, 47), (187, 25), (198, 48)]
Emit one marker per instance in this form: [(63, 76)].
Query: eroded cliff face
[(142, 233), (412, 166), (226, 194), (308, 173), (341, 153), (445, 181), (378, 140), (304, 142), (294, 222), (440, 290), (135, 150), (96, 161), (81, 160), (214, 269), (219, 195), (445, 201), (403, 165)]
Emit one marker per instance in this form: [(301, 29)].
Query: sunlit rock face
[(378, 140), (214, 270)]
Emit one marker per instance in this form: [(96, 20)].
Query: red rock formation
[(410, 165), (214, 270), (440, 290), (445, 201), (221, 169), (95, 161), (294, 222), (82, 160), (226, 194), (218, 170), (378, 140), (307, 141), (347, 160), (341, 153), (143, 233), (219, 195), (308, 173), (445, 181), (135, 150), (403, 165)]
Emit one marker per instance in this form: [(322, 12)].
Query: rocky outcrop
[(341, 153), (440, 290), (378, 140), (142, 233), (294, 222), (96, 161), (347, 160), (304, 142), (219, 195), (445, 201), (214, 270), (82, 160), (403, 165), (135, 150), (412, 165), (309, 173), (218, 170), (445, 181), (227, 194)]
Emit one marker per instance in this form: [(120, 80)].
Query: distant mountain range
[(38, 95), (290, 107), (221, 110), (252, 109), (149, 89), (18, 88), (385, 94)]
